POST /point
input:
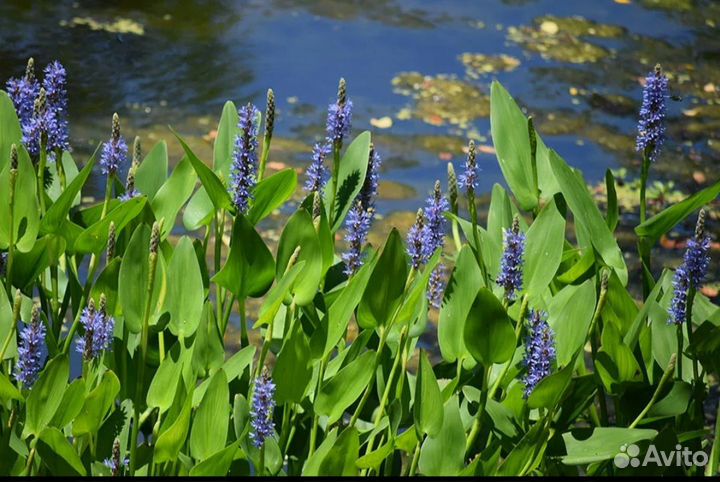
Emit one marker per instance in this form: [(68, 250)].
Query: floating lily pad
[(556, 44), (477, 65), (119, 25), (442, 99)]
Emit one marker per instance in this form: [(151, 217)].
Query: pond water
[(424, 67)]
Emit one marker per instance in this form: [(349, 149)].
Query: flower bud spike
[(111, 242), (13, 157), (30, 69), (270, 114), (452, 188)]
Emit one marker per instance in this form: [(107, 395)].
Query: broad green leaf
[(300, 232), (107, 284), (276, 295), (664, 221), (615, 363), (28, 266), (488, 333), (339, 313), (26, 213), (386, 283), (544, 249), (311, 467), (428, 419), (208, 352), (199, 211), (604, 443), (213, 185), (443, 454), (340, 460), (292, 373), (95, 237), (460, 293), (134, 277), (71, 405), (6, 326), (233, 368), (337, 394), (210, 425), (164, 384), (376, 457), (250, 268), (500, 216), (186, 294), (551, 389), (58, 454), (613, 211), (8, 390), (351, 176), (172, 195), (171, 440), (152, 172), (587, 216), (675, 403), (227, 132), (46, 395), (413, 304), (586, 261), (527, 454), (217, 464), (10, 131), (54, 219), (512, 145), (271, 193), (569, 315), (97, 404)]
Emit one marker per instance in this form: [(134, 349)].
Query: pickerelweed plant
[(113, 328)]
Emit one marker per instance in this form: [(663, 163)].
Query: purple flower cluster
[(417, 246), (114, 463), (23, 91), (436, 286), (361, 215), (3, 263), (31, 352), (469, 178), (244, 165), (42, 111), (651, 126), (114, 151), (317, 173), (358, 224), (339, 117), (261, 413), (55, 85), (99, 329), (539, 351), (691, 272), (511, 265), (436, 207)]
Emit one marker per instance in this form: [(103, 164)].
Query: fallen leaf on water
[(445, 156), (709, 87), (699, 177), (486, 149), (210, 136), (277, 166), (709, 291), (550, 28), (623, 2), (381, 123)]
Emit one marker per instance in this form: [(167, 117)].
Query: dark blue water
[(194, 55)]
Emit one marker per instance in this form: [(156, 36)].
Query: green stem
[(415, 459), (388, 385), (41, 177), (244, 340), (663, 381), (60, 169), (688, 325), (712, 467), (476, 237), (518, 329), (316, 418), (152, 260), (366, 394), (261, 467), (477, 424), (679, 352)]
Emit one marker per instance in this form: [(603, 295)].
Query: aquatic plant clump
[(517, 341)]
